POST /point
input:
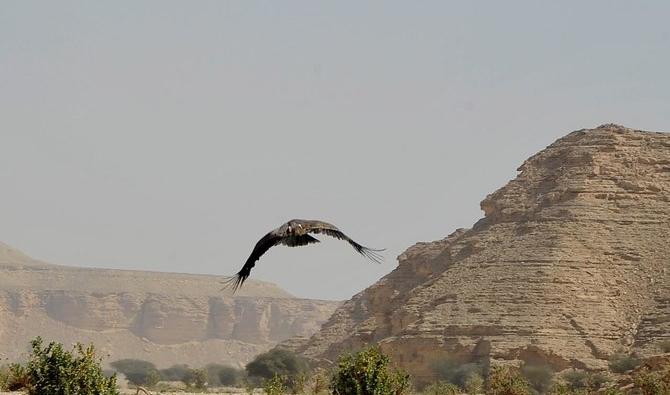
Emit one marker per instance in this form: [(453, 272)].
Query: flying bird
[(295, 233)]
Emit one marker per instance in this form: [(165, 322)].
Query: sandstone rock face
[(570, 264), (165, 318)]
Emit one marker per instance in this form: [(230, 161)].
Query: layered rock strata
[(166, 318), (570, 264)]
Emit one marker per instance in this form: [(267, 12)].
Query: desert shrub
[(653, 383), (474, 384), (137, 371), (218, 374), (249, 386), (560, 389), (664, 345), (297, 383), (539, 376), (275, 386), (596, 380), (367, 372), (442, 388), (55, 371), (4, 376), (276, 362), (453, 371), (199, 379), (613, 391), (576, 379), (621, 363), (319, 382), (14, 377), (183, 373), (180, 372), (505, 380), (563, 389)]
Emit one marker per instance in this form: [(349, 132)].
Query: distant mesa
[(165, 318), (568, 265)]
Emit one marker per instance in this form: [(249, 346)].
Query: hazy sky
[(172, 135)]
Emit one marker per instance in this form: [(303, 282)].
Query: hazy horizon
[(172, 135)]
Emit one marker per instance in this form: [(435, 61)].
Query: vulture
[(295, 233)]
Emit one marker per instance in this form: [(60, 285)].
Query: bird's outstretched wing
[(265, 243), (268, 241), (331, 230)]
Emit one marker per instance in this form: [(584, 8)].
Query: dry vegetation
[(54, 371)]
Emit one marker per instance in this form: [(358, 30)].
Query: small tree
[(179, 372), (276, 362), (231, 376), (137, 371), (54, 371), (368, 373)]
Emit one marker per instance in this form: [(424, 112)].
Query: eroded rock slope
[(569, 264)]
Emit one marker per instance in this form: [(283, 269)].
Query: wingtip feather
[(233, 282), (373, 254)]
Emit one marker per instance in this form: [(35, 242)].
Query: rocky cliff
[(569, 264), (166, 318)]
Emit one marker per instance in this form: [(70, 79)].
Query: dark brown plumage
[(295, 233)]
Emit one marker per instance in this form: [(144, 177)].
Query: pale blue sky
[(171, 135)]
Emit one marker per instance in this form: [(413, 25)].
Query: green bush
[(218, 374), (621, 363), (54, 371), (276, 362), (539, 376), (474, 384), (505, 380), (199, 379), (180, 372), (13, 377), (4, 377), (137, 371), (319, 382), (368, 373), (653, 383), (596, 380), (455, 372), (578, 381), (442, 388), (275, 386)]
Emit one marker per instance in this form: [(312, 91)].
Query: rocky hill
[(166, 318), (570, 263)]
